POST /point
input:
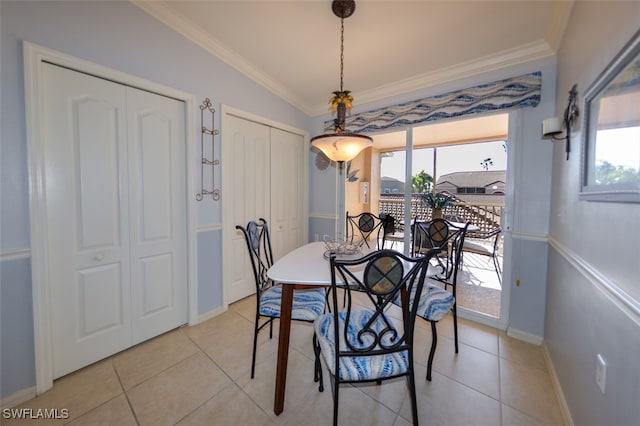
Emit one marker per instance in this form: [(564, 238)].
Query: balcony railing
[(486, 216)]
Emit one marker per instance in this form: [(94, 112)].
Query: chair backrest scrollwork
[(258, 241)]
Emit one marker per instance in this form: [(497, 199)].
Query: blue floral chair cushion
[(357, 368), (307, 304), (435, 302)]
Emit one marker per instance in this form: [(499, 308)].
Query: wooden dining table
[(305, 267)]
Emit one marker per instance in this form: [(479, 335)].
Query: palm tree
[(422, 182), (486, 163)]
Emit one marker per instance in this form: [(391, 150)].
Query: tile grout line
[(124, 392), (233, 382)]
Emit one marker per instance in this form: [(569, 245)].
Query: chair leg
[(255, 343), (412, 393), (336, 387), (317, 377), (432, 351), (498, 270), (455, 324)]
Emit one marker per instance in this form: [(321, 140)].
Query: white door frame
[(514, 152), (226, 110), (34, 55)]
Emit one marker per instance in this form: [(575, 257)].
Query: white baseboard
[(212, 313), (18, 397), (524, 336), (480, 318), (564, 407)]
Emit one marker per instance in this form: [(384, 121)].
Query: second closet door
[(263, 176), (287, 186), (247, 173)]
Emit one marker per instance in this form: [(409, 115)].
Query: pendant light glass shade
[(341, 147)]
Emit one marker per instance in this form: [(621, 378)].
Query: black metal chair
[(392, 232), (366, 226), (369, 345), (485, 243), (447, 239), (307, 304), (363, 228)]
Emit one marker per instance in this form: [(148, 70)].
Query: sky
[(620, 147), (449, 159)]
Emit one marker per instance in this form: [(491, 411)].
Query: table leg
[(404, 302), (283, 347)]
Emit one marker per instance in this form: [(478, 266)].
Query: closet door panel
[(85, 148), (246, 177), (158, 213), (286, 191)]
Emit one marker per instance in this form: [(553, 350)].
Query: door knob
[(99, 257)]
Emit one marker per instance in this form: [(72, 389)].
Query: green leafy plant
[(438, 200), (421, 182)]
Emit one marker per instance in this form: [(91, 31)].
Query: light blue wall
[(527, 304), (593, 281), (123, 37), (17, 356), (209, 267)]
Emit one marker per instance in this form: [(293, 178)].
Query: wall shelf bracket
[(206, 131)]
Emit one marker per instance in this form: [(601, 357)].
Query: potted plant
[(437, 202)]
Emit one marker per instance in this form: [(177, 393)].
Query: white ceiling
[(391, 46)]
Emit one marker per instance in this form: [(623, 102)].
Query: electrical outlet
[(601, 373)]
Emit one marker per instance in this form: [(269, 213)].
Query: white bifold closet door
[(263, 175), (287, 186), (115, 215)]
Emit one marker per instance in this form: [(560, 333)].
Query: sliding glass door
[(467, 160)]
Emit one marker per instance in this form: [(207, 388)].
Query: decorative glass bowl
[(343, 246)]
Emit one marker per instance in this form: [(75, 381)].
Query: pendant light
[(341, 145)]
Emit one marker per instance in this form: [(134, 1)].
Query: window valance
[(515, 92)]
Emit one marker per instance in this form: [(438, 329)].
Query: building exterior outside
[(476, 182)]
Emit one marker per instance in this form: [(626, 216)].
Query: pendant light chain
[(341, 51)]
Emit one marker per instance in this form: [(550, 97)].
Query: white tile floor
[(200, 376), (479, 288)]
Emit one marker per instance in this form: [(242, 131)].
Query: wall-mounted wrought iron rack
[(215, 193)]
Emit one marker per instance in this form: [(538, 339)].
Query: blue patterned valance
[(516, 92)]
